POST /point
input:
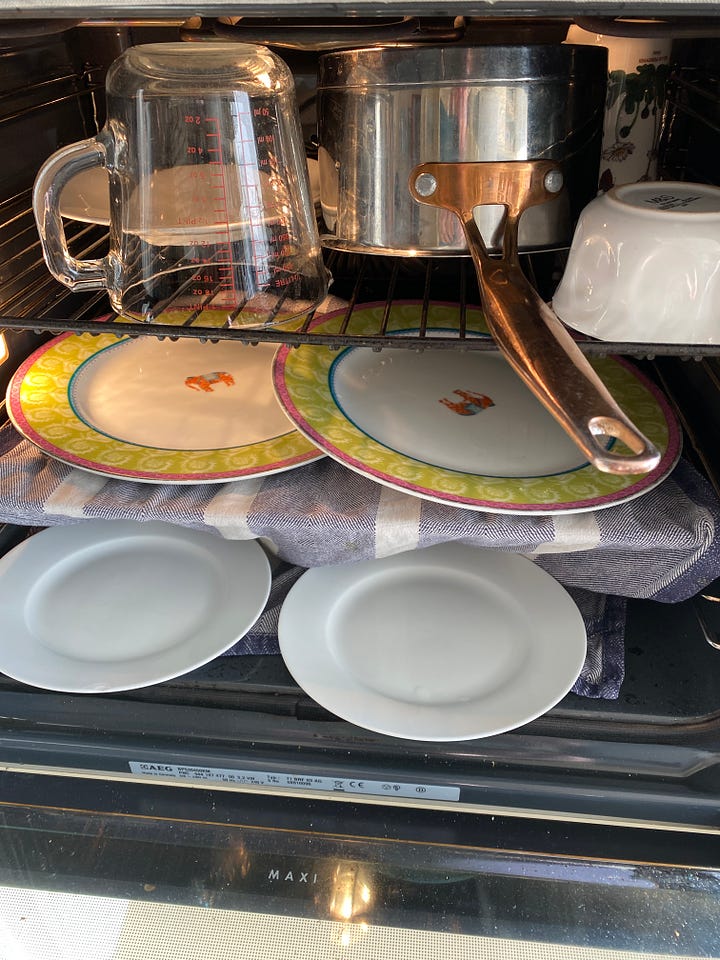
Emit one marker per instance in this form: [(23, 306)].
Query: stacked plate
[(156, 411), (111, 605), (446, 643), (456, 427)]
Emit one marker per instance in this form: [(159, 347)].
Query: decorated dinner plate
[(109, 605), (156, 411), (459, 427), (446, 643)]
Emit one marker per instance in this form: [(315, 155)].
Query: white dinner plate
[(109, 605), (449, 642), (86, 196)]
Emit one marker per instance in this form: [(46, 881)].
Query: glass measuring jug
[(211, 219)]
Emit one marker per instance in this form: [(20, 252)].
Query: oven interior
[(655, 748)]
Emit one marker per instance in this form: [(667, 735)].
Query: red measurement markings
[(226, 274), (286, 281), (254, 208)]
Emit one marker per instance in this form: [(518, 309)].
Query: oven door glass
[(199, 874)]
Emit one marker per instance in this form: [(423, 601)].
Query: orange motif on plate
[(205, 381), (469, 403)]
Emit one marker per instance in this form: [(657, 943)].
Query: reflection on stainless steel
[(382, 111), (190, 23), (306, 34), (526, 330)]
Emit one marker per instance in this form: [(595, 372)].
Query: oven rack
[(690, 135), (45, 306), (40, 96), (31, 300)]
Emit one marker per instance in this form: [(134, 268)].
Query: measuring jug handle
[(57, 170)]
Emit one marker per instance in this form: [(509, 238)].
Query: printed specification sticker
[(292, 781)]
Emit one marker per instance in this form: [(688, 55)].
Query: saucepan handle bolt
[(426, 184), (553, 181)]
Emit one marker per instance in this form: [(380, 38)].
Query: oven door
[(110, 870)]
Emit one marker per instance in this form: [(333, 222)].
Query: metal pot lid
[(465, 64)]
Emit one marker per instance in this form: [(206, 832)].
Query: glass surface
[(39, 925), (210, 208), (362, 885)]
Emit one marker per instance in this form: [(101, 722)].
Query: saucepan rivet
[(553, 181), (426, 184)]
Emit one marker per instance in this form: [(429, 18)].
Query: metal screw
[(553, 181), (425, 185)]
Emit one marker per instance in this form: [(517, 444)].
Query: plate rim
[(98, 533), (641, 485), (96, 344), (297, 641)]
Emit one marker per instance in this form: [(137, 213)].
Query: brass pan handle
[(527, 331)]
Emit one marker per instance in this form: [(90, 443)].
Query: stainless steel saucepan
[(432, 151), (383, 110)]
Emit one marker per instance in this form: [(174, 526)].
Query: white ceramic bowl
[(644, 266)]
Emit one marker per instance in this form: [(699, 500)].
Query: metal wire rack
[(30, 299), (42, 305), (690, 136)]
